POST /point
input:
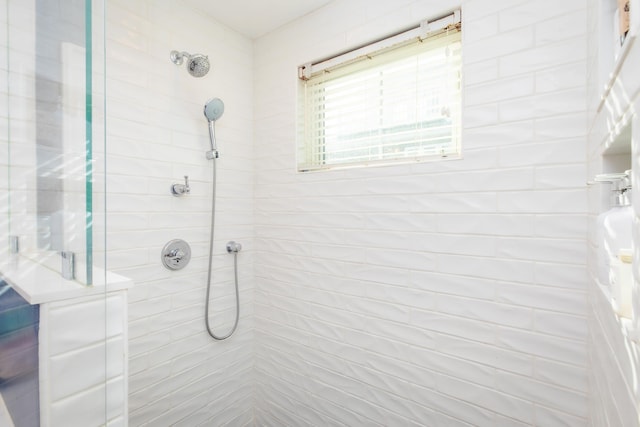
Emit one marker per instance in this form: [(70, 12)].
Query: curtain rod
[(422, 30)]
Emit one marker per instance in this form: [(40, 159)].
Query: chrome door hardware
[(176, 254)]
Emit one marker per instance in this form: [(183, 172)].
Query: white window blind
[(400, 103)]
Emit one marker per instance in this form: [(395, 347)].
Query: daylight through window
[(398, 104)]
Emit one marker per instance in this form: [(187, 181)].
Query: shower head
[(197, 64), (213, 109)]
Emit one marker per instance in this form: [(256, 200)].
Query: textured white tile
[(346, 262), (528, 13), (472, 287), (452, 325), (479, 72), (486, 311), (551, 250), (500, 135), (479, 28), (483, 358), (562, 399), (550, 298), (547, 416), (545, 105), (562, 77), (488, 267), (100, 319), (562, 27), (561, 374), (560, 349), (574, 327), (565, 201), (488, 398), (87, 408), (498, 90), (540, 58)]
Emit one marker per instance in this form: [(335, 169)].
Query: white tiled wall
[(442, 293), (82, 365), (156, 134), (613, 341)]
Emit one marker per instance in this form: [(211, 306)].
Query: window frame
[(360, 58)]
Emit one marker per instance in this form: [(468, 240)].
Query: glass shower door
[(55, 334)]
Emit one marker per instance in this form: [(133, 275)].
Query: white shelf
[(38, 284), (612, 70)]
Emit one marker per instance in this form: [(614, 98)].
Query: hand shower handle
[(213, 153), (181, 189)]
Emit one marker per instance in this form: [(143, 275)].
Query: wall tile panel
[(456, 269)]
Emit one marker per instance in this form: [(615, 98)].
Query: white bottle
[(621, 283), (614, 225)]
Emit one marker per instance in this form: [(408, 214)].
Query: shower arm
[(213, 154), (178, 57)]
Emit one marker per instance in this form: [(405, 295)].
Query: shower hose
[(235, 270)]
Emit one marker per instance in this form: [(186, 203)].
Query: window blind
[(399, 103)]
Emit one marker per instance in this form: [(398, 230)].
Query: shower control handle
[(175, 255), (181, 189)]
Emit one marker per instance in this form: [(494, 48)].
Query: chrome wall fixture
[(176, 254), (181, 189), (197, 64), (68, 265), (213, 110)]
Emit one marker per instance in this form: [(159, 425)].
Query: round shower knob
[(176, 254)]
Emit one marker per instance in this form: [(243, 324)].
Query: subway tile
[(485, 358), (567, 401), (562, 77), (539, 58), (486, 311), (477, 29), (501, 403), (498, 90), (488, 267), (561, 374), (457, 326), (574, 327), (479, 72), (548, 416), (545, 346), (561, 27), (559, 201), (349, 264), (502, 135), (494, 224), (527, 13), (544, 105), (538, 249), (472, 287), (500, 44)]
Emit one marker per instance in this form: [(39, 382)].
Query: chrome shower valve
[(181, 189)]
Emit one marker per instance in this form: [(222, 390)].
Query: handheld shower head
[(197, 64), (213, 110)]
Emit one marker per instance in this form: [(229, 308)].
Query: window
[(397, 100)]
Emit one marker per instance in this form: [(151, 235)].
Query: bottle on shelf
[(614, 233)]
